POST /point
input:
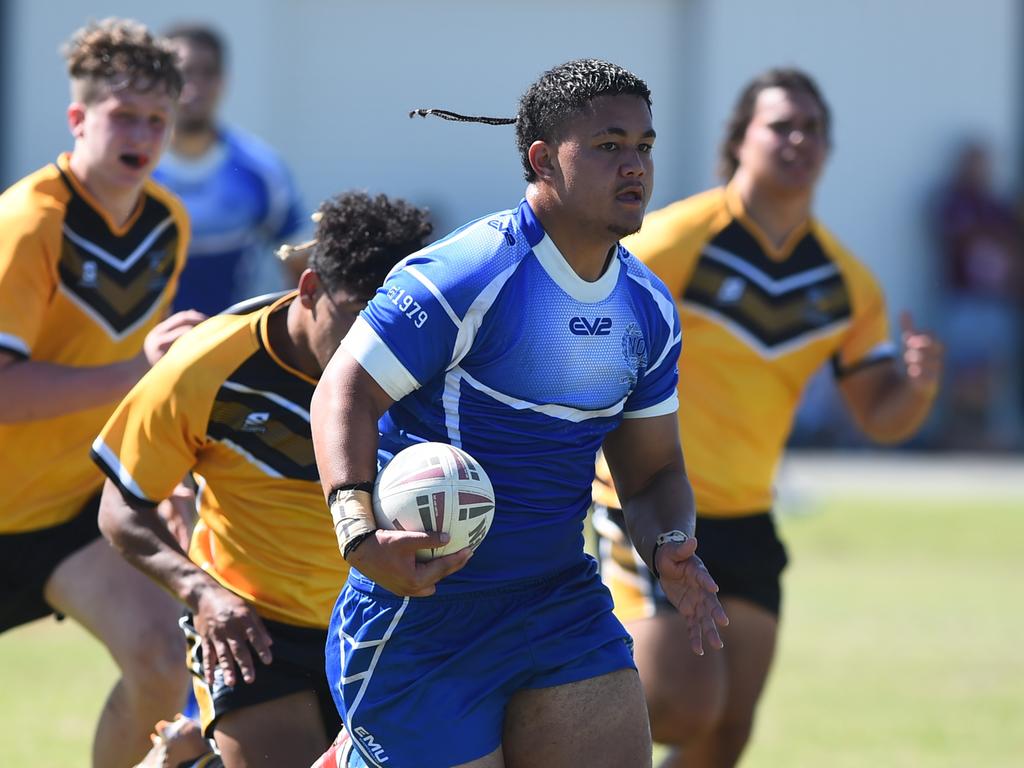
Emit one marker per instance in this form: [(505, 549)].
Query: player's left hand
[(922, 356), (693, 592)]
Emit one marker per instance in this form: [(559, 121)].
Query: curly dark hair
[(360, 238), (557, 95), (563, 92), (115, 54), (743, 111)]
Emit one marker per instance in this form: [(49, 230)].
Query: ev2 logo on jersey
[(599, 326)]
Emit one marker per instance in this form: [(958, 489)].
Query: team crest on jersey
[(159, 280), (89, 274), (816, 306), (634, 350), (731, 290)]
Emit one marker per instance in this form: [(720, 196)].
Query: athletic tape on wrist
[(352, 513)]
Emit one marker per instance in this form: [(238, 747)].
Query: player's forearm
[(343, 419), (897, 410), (31, 390), (664, 504), (143, 539)]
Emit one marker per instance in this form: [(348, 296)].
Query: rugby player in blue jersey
[(240, 196), (529, 338)]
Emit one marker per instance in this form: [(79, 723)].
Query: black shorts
[(27, 560), (298, 665), (743, 554)]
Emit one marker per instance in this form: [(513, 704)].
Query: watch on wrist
[(676, 536)]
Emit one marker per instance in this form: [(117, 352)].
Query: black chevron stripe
[(283, 441), (771, 319), (119, 298)]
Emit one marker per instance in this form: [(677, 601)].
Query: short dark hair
[(360, 238), (743, 111), (115, 54), (563, 92), (201, 34)]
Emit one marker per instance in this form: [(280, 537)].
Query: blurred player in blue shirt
[(530, 338), (238, 192)]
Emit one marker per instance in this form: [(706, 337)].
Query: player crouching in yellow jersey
[(231, 405), (90, 256), (766, 295)]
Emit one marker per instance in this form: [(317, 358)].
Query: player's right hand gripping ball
[(435, 487)]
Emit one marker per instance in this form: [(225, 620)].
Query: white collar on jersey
[(558, 269), (192, 170)]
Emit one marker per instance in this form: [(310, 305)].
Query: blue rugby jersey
[(488, 340), (242, 204)]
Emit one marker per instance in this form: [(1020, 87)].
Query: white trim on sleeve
[(363, 343), (110, 458), (15, 344), (669, 405)]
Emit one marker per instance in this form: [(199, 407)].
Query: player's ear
[(542, 159), (76, 119), (309, 286)]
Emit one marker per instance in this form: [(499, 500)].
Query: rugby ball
[(435, 487)]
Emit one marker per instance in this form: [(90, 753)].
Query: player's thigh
[(128, 613), (494, 760), (600, 722), (284, 732), (686, 693), (750, 641)]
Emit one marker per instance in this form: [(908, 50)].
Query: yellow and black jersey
[(758, 322), (75, 290), (223, 405)]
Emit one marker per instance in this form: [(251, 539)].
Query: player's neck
[(291, 341), (117, 201), (778, 216), (585, 250), (193, 144)]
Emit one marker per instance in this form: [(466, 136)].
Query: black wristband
[(364, 486), (355, 542)]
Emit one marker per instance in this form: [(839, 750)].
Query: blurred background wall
[(329, 83)]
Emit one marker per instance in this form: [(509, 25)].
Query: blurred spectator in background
[(237, 190), (981, 246)]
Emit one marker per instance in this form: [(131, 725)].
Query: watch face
[(677, 536)]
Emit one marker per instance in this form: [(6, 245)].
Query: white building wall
[(330, 83)]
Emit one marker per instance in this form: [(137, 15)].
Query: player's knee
[(154, 662), (680, 721)]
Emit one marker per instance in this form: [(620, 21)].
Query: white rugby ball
[(435, 487)]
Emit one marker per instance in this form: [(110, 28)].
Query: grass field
[(902, 644)]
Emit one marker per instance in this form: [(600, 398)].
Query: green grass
[(902, 645), (55, 678), (901, 642)]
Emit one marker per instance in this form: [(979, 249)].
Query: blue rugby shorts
[(424, 682)]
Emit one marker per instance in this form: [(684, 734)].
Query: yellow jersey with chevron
[(758, 322), (223, 405), (77, 290)]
